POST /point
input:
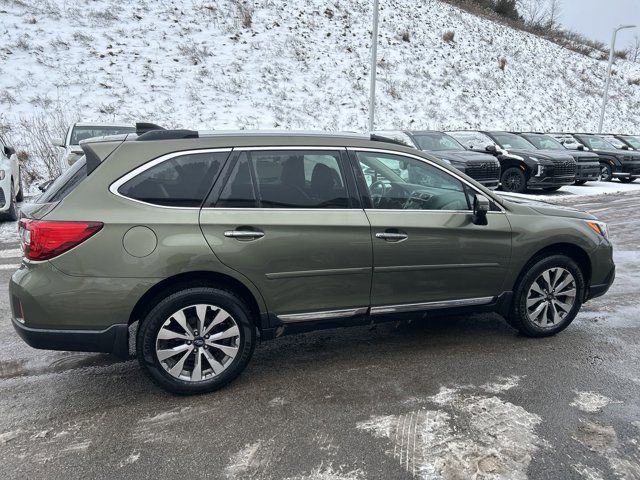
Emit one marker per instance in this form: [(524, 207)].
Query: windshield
[(82, 133), (544, 142), (472, 140), (435, 142), (596, 143), (509, 141), (633, 141)]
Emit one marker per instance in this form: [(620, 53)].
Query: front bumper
[(630, 169), (588, 171), (543, 182), (598, 290)]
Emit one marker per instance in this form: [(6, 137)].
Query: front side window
[(292, 179), (181, 181), (633, 141), (596, 143), (402, 183)]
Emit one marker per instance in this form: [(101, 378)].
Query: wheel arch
[(571, 250), (199, 278)]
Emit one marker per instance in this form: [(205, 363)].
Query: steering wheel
[(376, 198)]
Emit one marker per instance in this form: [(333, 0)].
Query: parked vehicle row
[(195, 243), (521, 161)]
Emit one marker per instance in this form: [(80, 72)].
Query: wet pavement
[(453, 398)]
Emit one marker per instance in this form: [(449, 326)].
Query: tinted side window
[(65, 183), (403, 183), (299, 179), (238, 191), (181, 181)]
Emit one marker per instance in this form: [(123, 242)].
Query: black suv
[(614, 163), (523, 165), (482, 167), (588, 163), (623, 142)]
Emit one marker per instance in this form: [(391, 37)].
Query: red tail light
[(43, 240)]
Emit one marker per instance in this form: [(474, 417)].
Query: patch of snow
[(590, 402), (328, 473), (502, 385), (498, 440), (133, 458), (245, 462)]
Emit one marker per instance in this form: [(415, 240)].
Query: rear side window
[(65, 183), (286, 179), (181, 181)]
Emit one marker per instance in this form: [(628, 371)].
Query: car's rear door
[(427, 251), (289, 220)]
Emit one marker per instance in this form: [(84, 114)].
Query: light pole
[(374, 64), (606, 88)]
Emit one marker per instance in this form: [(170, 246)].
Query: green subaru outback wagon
[(191, 245)]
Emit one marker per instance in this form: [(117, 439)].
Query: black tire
[(579, 182), (627, 180), (606, 173), (20, 194), (518, 316), (12, 213), (551, 189), (150, 325), (513, 180)]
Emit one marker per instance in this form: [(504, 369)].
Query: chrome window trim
[(411, 307), (113, 188), (323, 315), (429, 162)]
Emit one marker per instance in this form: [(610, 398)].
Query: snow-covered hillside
[(296, 64)]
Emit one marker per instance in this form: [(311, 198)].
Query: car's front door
[(285, 219), (427, 251)]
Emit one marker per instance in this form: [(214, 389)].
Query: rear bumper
[(114, 339)]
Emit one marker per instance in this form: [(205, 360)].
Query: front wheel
[(606, 174), (514, 180), (627, 180), (196, 340), (548, 296)]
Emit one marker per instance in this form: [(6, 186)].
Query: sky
[(597, 18)]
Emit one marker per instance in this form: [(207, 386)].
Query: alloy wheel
[(512, 181), (197, 342), (551, 297)]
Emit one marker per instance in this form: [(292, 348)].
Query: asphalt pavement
[(451, 398)]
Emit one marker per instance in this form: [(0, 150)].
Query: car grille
[(564, 169), (483, 170)]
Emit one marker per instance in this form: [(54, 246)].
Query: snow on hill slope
[(296, 64)]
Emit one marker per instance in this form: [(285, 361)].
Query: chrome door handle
[(246, 234), (391, 236)]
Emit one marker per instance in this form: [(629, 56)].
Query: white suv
[(70, 146), (10, 182)]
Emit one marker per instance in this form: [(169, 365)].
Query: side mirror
[(481, 206), (57, 142), (491, 149), (625, 147), (580, 147), (8, 151)]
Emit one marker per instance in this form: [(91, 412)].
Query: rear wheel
[(196, 340), (627, 180), (514, 180), (606, 174), (547, 297)]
